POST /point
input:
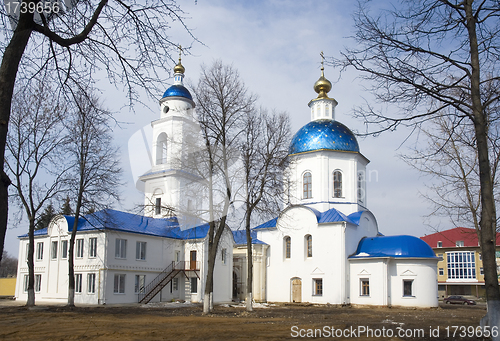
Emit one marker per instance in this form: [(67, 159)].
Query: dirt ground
[(274, 322)]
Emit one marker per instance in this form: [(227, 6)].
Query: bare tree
[(126, 40), (449, 157), (34, 147), (264, 151), (433, 58), (223, 102), (97, 175)]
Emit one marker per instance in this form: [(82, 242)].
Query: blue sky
[(276, 45)]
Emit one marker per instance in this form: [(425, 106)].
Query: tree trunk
[(71, 252), (249, 295), (209, 283), (488, 214), (31, 265), (8, 72)]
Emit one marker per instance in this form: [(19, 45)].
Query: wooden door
[(296, 290), (193, 260)]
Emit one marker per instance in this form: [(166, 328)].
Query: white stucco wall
[(321, 165), (386, 277), (327, 261), (375, 271), (160, 253), (423, 273)]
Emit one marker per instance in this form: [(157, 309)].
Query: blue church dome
[(323, 134), (394, 246), (178, 91)]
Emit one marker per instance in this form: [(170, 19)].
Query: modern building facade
[(460, 266)]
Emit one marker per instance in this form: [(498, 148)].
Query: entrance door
[(296, 290), (193, 260)]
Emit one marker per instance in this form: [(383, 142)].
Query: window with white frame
[(224, 256), (121, 248), (91, 283), (92, 247), (64, 249), (175, 284), (461, 265), (337, 184), (53, 251), (459, 243), (307, 185), (140, 283), (361, 187), (78, 283), (158, 206), (288, 246), (318, 287), (26, 283), (140, 250), (119, 284), (481, 271), (39, 251), (439, 244), (441, 272), (364, 286), (177, 256), (408, 287), (161, 149), (38, 283), (194, 285), (79, 248), (309, 250)]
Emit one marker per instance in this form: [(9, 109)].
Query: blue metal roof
[(267, 224), (355, 217), (127, 222), (393, 246), (177, 91), (41, 232), (323, 134), (240, 237), (332, 215)]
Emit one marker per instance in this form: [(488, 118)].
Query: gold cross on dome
[(180, 51), (322, 59)]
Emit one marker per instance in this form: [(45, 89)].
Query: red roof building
[(460, 270), (449, 238)]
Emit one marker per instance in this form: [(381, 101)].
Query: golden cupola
[(322, 107), (322, 85)]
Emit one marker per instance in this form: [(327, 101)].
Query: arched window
[(337, 184), (288, 247), (309, 245), (161, 149), (307, 184), (361, 190)]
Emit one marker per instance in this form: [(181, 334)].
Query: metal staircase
[(157, 284)]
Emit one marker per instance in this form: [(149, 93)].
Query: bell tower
[(172, 186)]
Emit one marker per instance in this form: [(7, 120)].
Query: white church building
[(323, 247)]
